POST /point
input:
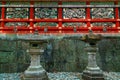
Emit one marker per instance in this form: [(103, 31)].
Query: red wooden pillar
[(3, 15), (31, 18), (116, 15), (60, 16), (88, 14)]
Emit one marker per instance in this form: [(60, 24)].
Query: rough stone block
[(7, 45), (7, 57)]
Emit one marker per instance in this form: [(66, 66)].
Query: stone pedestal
[(92, 71), (35, 71)]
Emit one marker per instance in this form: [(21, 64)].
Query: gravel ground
[(10, 76), (61, 76), (112, 75), (64, 76)]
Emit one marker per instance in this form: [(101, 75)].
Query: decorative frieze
[(102, 13), (45, 12), (73, 13), (17, 13)]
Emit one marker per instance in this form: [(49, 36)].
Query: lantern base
[(92, 76), (35, 75)]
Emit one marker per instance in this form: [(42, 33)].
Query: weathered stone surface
[(35, 71), (109, 54), (7, 46), (67, 55), (7, 57)]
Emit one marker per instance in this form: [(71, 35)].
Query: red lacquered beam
[(55, 20), (88, 14), (82, 29), (116, 14), (7, 29), (31, 14), (78, 29), (67, 28), (23, 27), (3, 14), (53, 29), (74, 20), (40, 29), (113, 29), (49, 29), (60, 16), (103, 20)]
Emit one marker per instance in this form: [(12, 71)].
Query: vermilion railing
[(60, 20)]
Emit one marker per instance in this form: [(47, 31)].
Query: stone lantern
[(92, 71), (35, 71)]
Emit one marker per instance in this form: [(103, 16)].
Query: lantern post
[(92, 71)]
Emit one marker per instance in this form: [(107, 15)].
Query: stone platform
[(61, 76)]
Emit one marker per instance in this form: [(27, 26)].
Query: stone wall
[(59, 55)]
